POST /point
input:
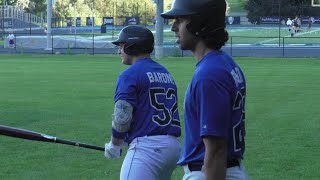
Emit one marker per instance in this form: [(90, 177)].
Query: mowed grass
[(71, 97)]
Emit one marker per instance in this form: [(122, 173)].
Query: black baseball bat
[(35, 136)]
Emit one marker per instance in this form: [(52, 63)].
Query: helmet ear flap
[(197, 25), (129, 49), (138, 48)]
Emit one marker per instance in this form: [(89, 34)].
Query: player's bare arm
[(215, 160)]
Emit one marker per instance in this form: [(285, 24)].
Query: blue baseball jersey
[(214, 106), (152, 92)]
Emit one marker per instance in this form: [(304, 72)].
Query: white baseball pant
[(151, 158)]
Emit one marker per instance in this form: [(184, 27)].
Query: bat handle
[(62, 141), (91, 146)]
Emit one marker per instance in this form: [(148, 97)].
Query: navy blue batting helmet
[(207, 16), (137, 40)]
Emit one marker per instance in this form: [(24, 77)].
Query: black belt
[(197, 167), (233, 163)]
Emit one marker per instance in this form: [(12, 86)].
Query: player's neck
[(141, 56), (201, 50)]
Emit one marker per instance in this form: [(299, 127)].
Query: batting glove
[(112, 151)]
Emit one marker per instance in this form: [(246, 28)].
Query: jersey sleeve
[(119, 135), (126, 90), (213, 104)]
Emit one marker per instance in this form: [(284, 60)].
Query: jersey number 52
[(168, 112), (239, 128)]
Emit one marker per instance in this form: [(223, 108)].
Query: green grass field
[(71, 97)]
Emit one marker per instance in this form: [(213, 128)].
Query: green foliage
[(119, 9), (61, 9), (236, 5), (9, 2), (114, 8), (40, 6), (35, 7)]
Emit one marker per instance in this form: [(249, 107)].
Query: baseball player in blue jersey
[(214, 108), (145, 113)]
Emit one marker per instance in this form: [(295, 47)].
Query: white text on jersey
[(237, 76), (160, 77)]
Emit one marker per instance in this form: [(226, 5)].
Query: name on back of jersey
[(160, 77), (237, 76)]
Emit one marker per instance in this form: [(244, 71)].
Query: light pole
[(114, 18), (30, 24), (3, 19), (92, 27), (145, 14), (159, 30), (92, 16), (75, 23), (279, 22), (49, 17)]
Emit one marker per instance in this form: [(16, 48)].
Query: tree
[(9, 2), (145, 9), (24, 4), (40, 6)]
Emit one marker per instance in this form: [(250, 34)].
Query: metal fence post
[(30, 23), (231, 46), (92, 44), (283, 46), (51, 43)]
